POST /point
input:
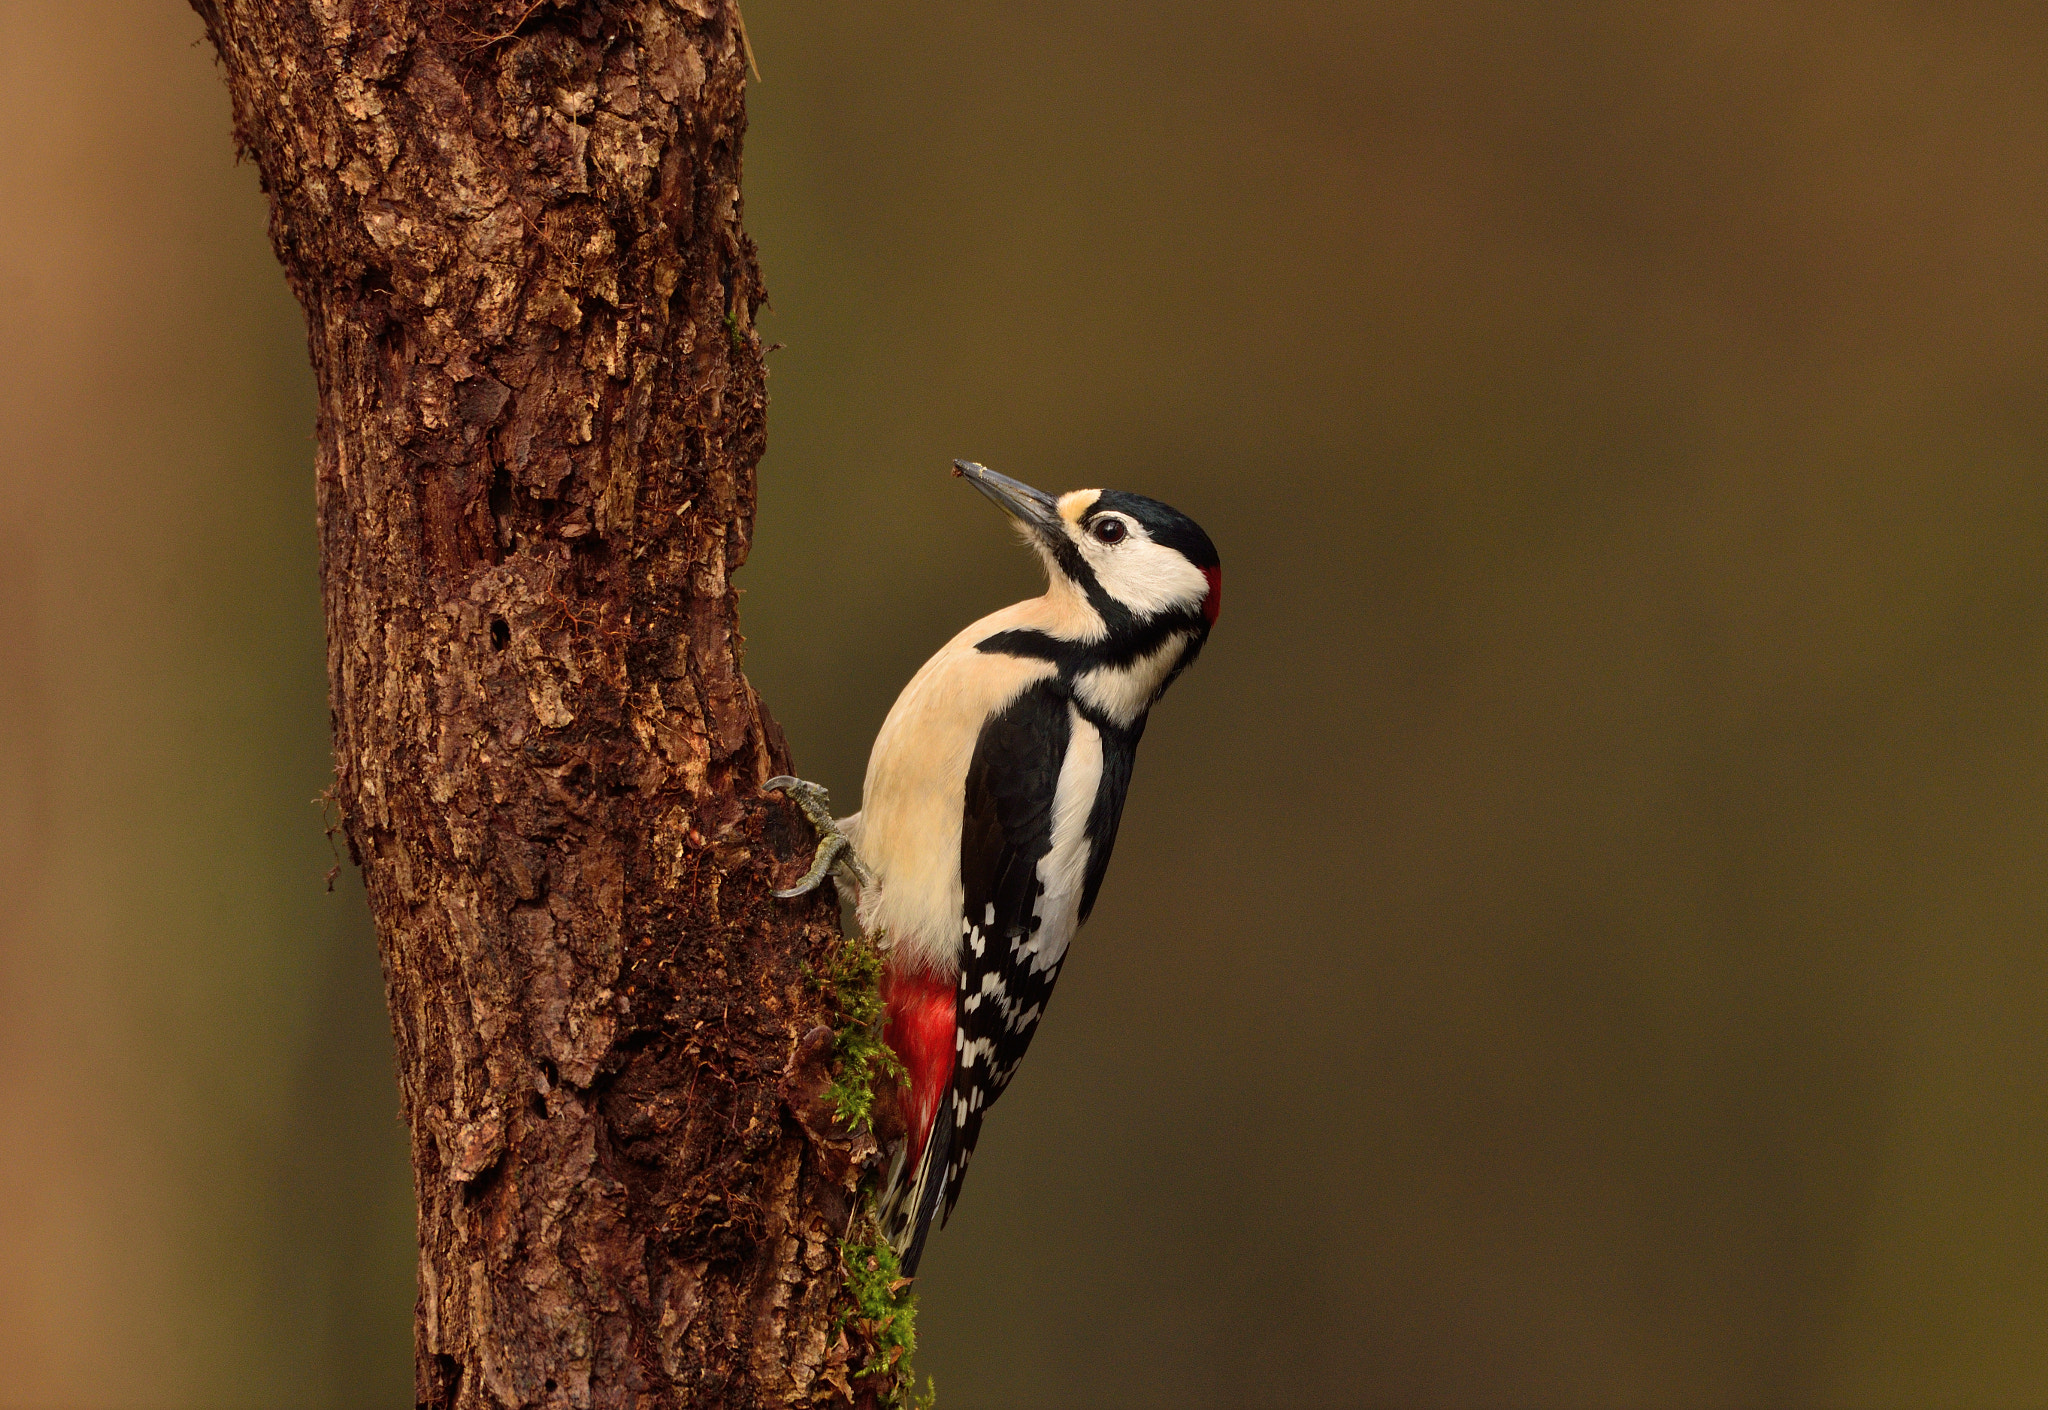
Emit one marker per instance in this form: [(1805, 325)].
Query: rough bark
[(515, 231)]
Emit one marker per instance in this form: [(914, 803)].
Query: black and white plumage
[(992, 800)]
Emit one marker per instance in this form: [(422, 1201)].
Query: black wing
[(1005, 832)]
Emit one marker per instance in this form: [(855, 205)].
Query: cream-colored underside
[(908, 828)]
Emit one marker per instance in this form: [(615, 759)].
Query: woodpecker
[(991, 803)]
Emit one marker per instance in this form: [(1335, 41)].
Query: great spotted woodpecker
[(992, 799)]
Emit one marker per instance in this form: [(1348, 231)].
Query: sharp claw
[(828, 852), (835, 851), (810, 798)]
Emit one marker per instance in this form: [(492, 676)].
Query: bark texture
[(515, 231)]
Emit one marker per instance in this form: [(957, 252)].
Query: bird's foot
[(835, 850)]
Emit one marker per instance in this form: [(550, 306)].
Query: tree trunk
[(514, 226)]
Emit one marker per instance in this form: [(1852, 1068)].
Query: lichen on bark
[(514, 227)]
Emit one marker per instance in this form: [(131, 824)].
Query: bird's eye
[(1109, 531)]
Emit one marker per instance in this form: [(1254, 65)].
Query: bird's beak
[(1034, 507)]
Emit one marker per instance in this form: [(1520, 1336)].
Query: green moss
[(884, 1315), (853, 977), (878, 1313)]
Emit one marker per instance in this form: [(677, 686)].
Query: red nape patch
[(919, 1030), (1212, 605)]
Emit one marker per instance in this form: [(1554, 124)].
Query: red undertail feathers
[(919, 1029)]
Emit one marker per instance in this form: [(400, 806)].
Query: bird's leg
[(835, 850)]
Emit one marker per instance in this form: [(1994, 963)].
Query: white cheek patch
[(1146, 577)]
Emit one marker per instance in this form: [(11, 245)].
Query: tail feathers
[(911, 1199)]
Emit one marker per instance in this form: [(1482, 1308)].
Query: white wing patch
[(1063, 869)]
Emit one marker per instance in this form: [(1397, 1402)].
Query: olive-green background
[(1577, 938)]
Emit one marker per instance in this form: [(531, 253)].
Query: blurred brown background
[(1578, 937)]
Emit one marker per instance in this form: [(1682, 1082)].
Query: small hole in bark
[(501, 505), (501, 634), (551, 1383)]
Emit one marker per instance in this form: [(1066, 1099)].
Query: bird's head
[(1142, 567)]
